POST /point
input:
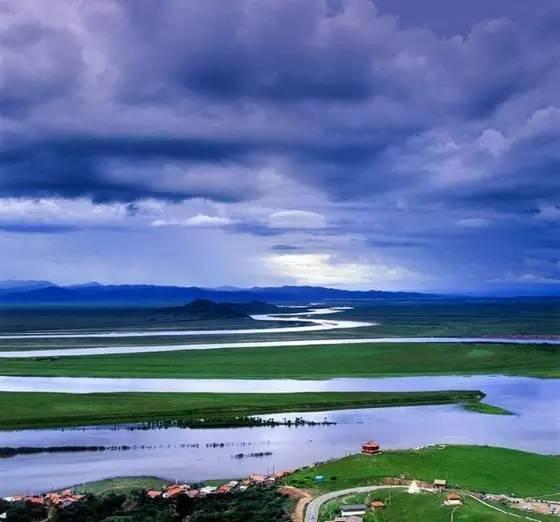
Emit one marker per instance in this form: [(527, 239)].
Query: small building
[(153, 493), (502, 499), (353, 510), (13, 499), (349, 519), (377, 505), (440, 484), (453, 499), (173, 491), (371, 448)]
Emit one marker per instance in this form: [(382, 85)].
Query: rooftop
[(353, 507)]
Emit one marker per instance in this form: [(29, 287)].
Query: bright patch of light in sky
[(327, 270)]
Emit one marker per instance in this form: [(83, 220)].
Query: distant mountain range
[(45, 293), (23, 285)]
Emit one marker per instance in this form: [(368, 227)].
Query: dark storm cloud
[(75, 166), (359, 83), (37, 228), (451, 18), (442, 122), (39, 63), (396, 243), (285, 248), (251, 49)]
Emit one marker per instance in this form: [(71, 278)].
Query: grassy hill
[(424, 507), (206, 309), (476, 468)]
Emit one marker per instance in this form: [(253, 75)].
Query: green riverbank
[(20, 410), (305, 362)]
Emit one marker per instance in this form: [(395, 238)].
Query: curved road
[(314, 507)]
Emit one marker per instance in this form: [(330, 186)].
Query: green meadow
[(424, 507), (39, 410), (475, 468), (306, 362)]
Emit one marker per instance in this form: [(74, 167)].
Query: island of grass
[(305, 362), (41, 410), (472, 468), (483, 407)]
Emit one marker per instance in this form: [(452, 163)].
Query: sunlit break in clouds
[(384, 144)]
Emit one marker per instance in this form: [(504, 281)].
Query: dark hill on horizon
[(206, 309), (96, 294)]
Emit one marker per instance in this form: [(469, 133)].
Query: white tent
[(413, 488)]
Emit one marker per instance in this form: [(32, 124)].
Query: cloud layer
[(361, 135)]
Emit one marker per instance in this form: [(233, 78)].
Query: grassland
[(121, 485), (395, 317), (460, 317), (39, 410), (126, 485), (475, 468), (424, 507), (301, 362)]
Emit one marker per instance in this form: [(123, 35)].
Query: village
[(227, 487), (454, 497), (67, 497)]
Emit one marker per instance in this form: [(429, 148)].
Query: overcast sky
[(394, 144)]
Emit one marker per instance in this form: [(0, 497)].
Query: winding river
[(191, 455), (314, 325), (115, 350)]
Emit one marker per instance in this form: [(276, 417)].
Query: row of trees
[(258, 504)]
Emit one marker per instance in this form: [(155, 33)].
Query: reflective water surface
[(113, 350), (493, 385), (186, 454), (313, 325)]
